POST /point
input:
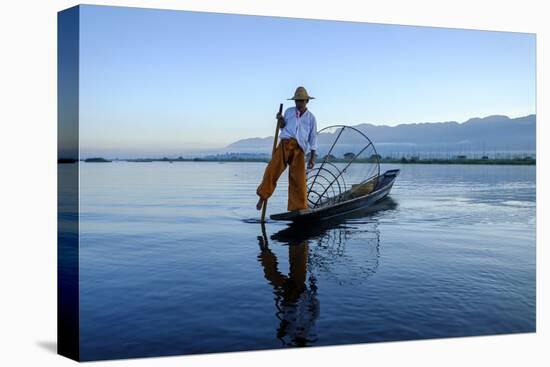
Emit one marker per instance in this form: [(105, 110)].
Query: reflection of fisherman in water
[(295, 296), (295, 293)]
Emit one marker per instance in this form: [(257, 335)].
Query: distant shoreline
[(512, 161)]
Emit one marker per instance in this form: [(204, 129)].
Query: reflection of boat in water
[(317, 253), (329, 192), (310, 230)]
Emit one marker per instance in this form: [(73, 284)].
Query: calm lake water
[(172, 260)]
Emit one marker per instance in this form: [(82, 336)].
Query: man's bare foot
[(260, 204)]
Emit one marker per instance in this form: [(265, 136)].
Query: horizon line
[(207, 150)]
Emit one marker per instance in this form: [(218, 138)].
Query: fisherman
[(298, 133)]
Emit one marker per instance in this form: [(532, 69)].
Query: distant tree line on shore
[(347, 157)]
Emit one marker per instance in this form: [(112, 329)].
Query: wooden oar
[(272, 153)]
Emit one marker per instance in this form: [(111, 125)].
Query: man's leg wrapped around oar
[(287, 152)]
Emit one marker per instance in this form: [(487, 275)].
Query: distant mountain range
[(490, 134)]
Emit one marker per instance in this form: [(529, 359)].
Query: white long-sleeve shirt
[(302, 128)]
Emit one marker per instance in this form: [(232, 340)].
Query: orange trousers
[(287, 153)]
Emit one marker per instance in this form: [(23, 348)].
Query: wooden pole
[(272, 153)]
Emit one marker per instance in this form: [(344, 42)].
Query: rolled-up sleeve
[(313, 134)]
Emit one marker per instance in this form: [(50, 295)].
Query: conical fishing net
[(347, 166)]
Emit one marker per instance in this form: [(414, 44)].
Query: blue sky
[(162, 82)]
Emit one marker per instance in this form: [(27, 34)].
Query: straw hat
[(301, 93)]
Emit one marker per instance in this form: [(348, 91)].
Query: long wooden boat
[(358, 197)]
